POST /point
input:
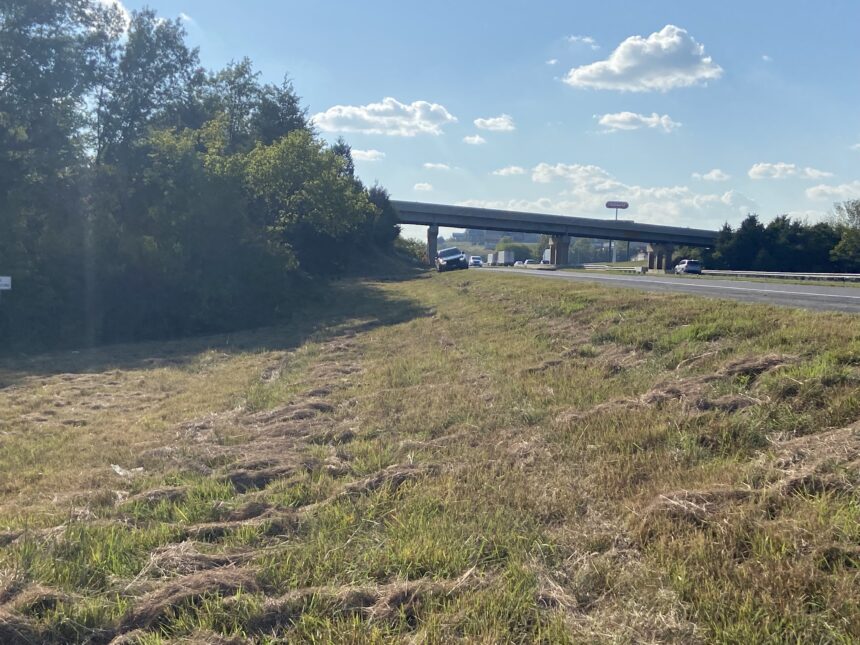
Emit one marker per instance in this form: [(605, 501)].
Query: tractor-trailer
[(491, 259), (505, 258)]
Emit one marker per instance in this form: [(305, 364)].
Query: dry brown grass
[(495, 463)]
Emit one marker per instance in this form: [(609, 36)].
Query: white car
[(476, 261), (518, 263), (530, 262), (688, 266)]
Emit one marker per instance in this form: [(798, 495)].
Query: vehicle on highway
[(451, 259), (505, 258), (688, 266), (530, 262), (476, 261), (518, 263), (544, 261)]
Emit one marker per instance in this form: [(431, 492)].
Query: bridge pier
[(559, 250), (660, 257), (432, 241)]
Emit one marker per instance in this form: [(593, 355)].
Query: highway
[(806, 296)]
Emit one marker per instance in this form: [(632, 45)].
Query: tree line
[(787, 244), (142, 196)]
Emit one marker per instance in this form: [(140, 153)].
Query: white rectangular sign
[(5, 282)]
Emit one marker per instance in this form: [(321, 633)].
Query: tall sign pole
[(616, 206)]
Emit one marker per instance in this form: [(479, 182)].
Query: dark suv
[(449, 259)]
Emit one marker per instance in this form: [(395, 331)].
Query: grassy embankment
[(463, 456)]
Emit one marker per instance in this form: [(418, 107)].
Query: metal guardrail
[(606, 267), (785, 275)]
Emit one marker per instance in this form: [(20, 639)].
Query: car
[(530, 262), (544, 261), (451, 259), (688, 266), (518, 263), (476, 261)]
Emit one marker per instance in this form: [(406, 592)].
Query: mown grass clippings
[(443, 459)]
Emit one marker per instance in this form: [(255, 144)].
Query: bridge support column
[(660, 257), (559, 250), (432, 239)]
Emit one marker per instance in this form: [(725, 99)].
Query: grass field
[(460, 457)]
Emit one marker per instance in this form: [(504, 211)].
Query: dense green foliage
[(143, 197), (789, 245)]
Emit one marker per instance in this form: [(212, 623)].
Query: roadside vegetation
[(787, 244), (458, 457), (142, 196)]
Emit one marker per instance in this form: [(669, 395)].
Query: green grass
[(470, 431)]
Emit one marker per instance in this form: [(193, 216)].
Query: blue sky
[(695, 113)]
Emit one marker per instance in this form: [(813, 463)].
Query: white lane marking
[(695, 284)]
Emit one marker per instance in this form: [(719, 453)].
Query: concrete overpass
[(560, 228)]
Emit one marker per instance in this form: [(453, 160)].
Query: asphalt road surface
[(807, 296)]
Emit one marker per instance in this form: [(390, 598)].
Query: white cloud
[(501, 123), (670, 205), (184, 17), (437, 166), (766, 58), (665, 60), (581, 176), (856, 146), (552, 61), (782, 170), (507, 171), (389, 117), (587, 188), (367, 155), (842, 191), (585, 40), (423, 186), (712, 175), (633, 121), (474, 140)]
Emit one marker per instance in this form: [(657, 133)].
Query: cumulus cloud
[(670, 205), (632, 121), (508, 171), (782, 170), (584, 40), (437, 166), (501, 123), (712, 175), (367, 155), (850, 190), (474, 140), (423, 186), (390, 117), (581, 176), (586, 188), (664, 60), (552, 61)]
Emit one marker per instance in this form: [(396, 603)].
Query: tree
[(847, 251), (521, 251)]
